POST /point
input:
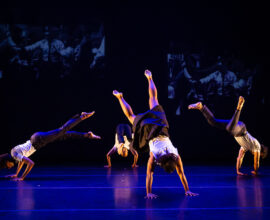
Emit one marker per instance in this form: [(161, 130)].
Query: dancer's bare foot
[(197, 105), (117, 94), (148, 74), (91, 135), (85, 115), (241, 102)]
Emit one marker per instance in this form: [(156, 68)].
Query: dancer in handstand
[(239, 131), (151, 129), (20, 153), (123, 138)]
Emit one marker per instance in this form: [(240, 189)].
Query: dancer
[(237, 129), (151, 128), (123, 138), (20, 153)]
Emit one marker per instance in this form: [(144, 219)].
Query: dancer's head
[(168, 162), (122, 151), (6, 161), (264, 151)]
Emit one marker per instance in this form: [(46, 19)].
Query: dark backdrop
[(138, 38)]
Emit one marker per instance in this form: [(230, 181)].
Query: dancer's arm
[(181, 174), (111, 152), (239, 161), (149, 177), (256, 162), (20, 165), (135, 155), (29, 165)]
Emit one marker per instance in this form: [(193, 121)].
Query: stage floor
[(81, 192)]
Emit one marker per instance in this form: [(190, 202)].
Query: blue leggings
[(123, 130)]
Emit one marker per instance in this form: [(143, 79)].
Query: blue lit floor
[(118, 193)]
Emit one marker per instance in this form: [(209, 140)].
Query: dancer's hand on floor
[(17, 179), (254, 173), (134, 165), (151, 196), (241, 174), (188, 193), (11, 176)]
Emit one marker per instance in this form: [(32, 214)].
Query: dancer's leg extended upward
[(153, 100), (152, 90), (125, 106), (233, 126)]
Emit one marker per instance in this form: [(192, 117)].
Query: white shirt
[(161, 146), (126, 143), (22, 150), (248, 143)]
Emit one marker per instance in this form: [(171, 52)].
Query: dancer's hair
[(4, 158), (168, 163), (264, 151)]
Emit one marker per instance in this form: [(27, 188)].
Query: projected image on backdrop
[(200, 76), (51, 51)]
